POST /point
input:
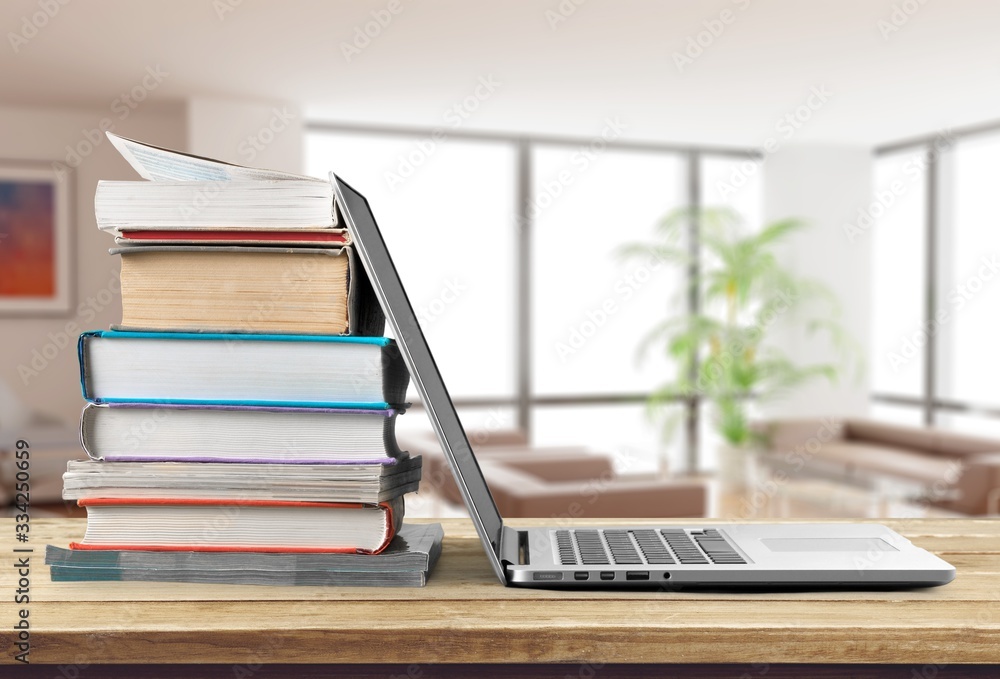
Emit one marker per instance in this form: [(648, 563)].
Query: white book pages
[(240, 205), (159, 164)]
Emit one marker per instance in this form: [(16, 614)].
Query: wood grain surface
[(465, 616)]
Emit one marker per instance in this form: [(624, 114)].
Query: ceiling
[(552, 73)]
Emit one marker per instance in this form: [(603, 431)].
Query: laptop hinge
[(513, 546)]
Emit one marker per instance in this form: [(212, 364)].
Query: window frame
[(934, 146), (525, 400)]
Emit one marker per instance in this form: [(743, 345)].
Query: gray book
[(245, 577), (362, 483), (406, 562)]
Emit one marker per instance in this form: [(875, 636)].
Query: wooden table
[(465, 616)]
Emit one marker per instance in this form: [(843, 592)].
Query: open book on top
[(187, 198)]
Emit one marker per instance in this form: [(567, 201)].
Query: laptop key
[(567, 555), (684, 548), (652, 547), (591, 547), (718, 548), (622, 549)]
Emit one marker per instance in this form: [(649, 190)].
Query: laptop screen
[(424, 372)]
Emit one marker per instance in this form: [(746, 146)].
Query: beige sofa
[(557, 482), (958, 472)]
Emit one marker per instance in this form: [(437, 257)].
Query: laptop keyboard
[(592, 547)]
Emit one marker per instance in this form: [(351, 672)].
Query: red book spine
[(236, 236)]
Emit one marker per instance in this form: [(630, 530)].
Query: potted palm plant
[(724, 351)]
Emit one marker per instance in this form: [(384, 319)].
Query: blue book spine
[(235, 337)]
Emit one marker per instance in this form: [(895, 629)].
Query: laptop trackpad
[(828, 545)]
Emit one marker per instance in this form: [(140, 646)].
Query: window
[(970, 275), (897, 414), (624, 431), (896, 220), (463, 192), (987, 426), (935, 305), (590, 308)]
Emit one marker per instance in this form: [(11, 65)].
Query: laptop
[(821, 555)]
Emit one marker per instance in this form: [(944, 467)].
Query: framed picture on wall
[(35, 237)]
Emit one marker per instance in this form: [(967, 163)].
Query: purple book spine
[(240, 460)]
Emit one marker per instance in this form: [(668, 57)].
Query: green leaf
[(744, 290)]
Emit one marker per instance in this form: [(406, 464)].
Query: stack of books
[(243, 412)]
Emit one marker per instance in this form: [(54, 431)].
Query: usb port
[(581, 575), (637, 575), (607, 575)]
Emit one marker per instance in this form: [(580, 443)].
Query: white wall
[(39, 353), (825, 186), (39, 364), (261, 134)]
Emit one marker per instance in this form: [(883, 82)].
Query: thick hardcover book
[(214, 525), (204, 288), (136, 432), (350, 483), (406, 562), (241, 369)]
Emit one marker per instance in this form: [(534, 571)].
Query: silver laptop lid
[(424, 372)]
